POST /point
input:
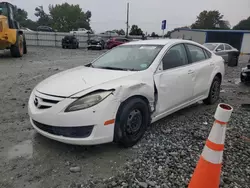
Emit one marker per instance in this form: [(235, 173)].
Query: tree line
[(66, 17)]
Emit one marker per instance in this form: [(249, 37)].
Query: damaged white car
[(118, 95)]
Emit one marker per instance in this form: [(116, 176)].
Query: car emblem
[(36, 102)]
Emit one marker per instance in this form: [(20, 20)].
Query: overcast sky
[(147, 14)]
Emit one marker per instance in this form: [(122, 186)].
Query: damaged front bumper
[(83, 127)]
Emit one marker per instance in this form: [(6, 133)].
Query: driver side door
[(174, 80)]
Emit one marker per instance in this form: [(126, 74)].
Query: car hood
[(74, 80)]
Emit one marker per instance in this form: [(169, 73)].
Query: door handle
[(190, 72), (211, 64)]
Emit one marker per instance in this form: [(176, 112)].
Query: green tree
[(210, 20), (20, 15), (66, 17), (43, 17), (154, 34), (243, 25), (135, 30), (30, 24), (119, 32)]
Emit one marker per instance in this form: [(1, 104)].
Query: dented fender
[(125, 91)]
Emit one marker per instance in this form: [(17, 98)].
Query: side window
[(207, 53), (175, 57), (221, 47), (197, 53), (227, 47)]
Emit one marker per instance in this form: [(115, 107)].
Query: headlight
[(88, 101)]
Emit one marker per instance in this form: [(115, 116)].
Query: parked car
[(70, 41), (245, 74), (96, 43), (45, 29), (222, 49), (80, 31), (115, 97), (113, 42), (110, 33)]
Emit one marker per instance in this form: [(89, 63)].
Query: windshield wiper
[(116, 68)]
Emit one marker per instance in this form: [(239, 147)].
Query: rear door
[(203, 66), (220, 50), (174, 80)]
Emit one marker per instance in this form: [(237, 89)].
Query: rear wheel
[(214, 93), (17, 50), (25, 51), (74, 46), (242, 78), (132, 120)]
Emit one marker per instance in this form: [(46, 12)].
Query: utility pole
[(127, 23)]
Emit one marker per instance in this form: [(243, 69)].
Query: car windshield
[(128, 57), (210, 46)]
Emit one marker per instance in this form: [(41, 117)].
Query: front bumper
[(83, 127), (94, 46)]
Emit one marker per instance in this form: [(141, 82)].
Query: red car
[(113, 42)]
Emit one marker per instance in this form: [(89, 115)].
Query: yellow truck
[(11, 36)]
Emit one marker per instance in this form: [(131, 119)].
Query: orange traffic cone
[(208, 169)]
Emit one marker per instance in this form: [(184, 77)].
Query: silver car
[(221, 49)]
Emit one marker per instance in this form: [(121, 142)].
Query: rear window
[(210, 46), (227, 47)]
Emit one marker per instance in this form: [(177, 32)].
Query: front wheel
[(132, 120), (17, 49), (214, 92)]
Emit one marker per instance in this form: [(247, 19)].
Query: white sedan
[(221, 49), (115, 97)]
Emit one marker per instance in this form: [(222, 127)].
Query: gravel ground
[(165, 157)]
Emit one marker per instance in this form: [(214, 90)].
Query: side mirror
[(218, 49)]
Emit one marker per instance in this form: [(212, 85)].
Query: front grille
[(72, 132), (42, 102)]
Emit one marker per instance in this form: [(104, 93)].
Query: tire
[(132, 120), (242, 78), (214, 92), (74, 45), (25, 50), (63, 46), (17, 50)]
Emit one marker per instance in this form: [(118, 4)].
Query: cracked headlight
[(88, 101)]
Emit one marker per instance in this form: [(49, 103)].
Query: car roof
[(158, 42), (217, 43)]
